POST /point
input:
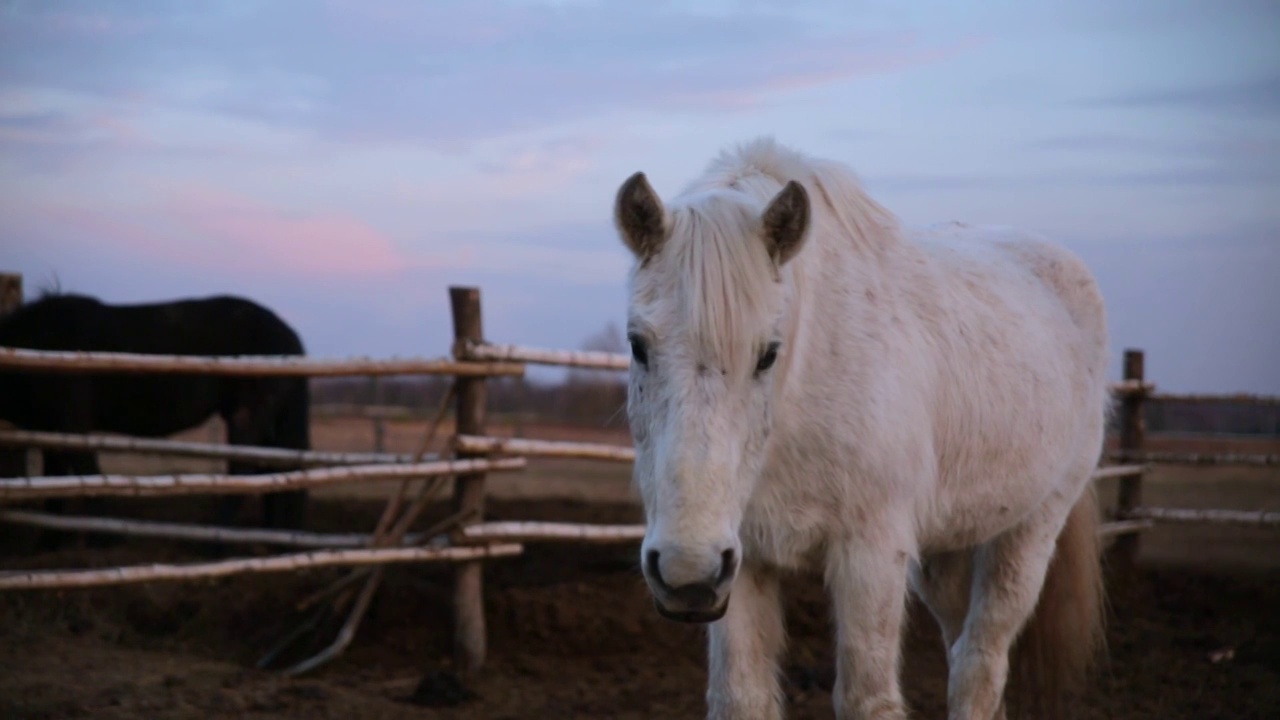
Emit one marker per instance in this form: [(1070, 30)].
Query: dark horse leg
[(292, 430), (58, 463), (287, 426)]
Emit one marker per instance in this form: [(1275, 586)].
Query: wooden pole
[(468, 598), (1118, 471), (13, 463), (1184, 458), (38, 579), (588, 359), (268, 456), (1132, 434), (183, 531), (10, 292), (528, 531), (486, 446), (61, 361), (1119, 528), (27, 488), (379, 426), (509, 531), (1208, 516)]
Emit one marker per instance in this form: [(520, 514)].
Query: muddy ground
[(1194, 631)]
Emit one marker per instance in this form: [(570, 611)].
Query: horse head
[(707, 327)]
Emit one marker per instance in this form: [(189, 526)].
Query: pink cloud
[(216, 229), (227, 227)]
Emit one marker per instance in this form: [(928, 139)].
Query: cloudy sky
[(345, 161)]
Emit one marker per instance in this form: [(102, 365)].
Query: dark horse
[(268, 411)]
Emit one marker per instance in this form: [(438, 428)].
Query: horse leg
[(240, 431), (1009, 572), (55, 463), (285, 510), (868, 581), (743, 652), (291, 428), (943, 581), (62, 463)]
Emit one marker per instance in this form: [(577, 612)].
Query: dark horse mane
[(267, 411)]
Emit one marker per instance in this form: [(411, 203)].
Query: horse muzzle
[(695, 602), (694, 617)]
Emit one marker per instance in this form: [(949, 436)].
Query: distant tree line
[(1244, 416)]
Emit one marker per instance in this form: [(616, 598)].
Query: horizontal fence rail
[(1184, 458), (544, 448), (513, 531), (1208, 516), (256, 365), (1132, 388), (211, 451), (184, 531), (40, 579), (1124, 527), (27, 488), (619, 453), (528, 532), (541, 356), (1118, 471), (621, 361), (1233, 399)]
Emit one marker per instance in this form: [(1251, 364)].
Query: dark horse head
[(268, 411)]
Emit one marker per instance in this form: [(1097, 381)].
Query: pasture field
[(572, 631)]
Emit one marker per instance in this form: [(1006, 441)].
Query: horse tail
[(1064, 638)]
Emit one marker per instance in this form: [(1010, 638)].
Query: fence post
[(379, 426), (13, 462), (1132, 433), (468, 598), (10, 292)]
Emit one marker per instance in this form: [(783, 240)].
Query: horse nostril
[(726, 566), (651, 564)]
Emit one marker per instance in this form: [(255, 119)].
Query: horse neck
[(841, 287)]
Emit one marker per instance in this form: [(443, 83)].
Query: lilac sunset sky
[(345, 161)]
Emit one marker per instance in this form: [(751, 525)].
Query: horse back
[(1020, 357), (140, 404), (1022, 307)]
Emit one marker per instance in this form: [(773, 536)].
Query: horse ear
[(640, 217), (786, 221)]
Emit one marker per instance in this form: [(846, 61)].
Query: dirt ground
[(572, 632)]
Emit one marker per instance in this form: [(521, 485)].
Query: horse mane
[(726, 275), (50, 288), (762, 166)]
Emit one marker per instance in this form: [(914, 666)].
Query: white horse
[(814, 389)]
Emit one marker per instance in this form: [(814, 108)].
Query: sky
[(345, 161)]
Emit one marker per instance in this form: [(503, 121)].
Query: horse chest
[(785, 528)]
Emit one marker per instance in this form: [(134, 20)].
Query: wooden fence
[(464, 539)]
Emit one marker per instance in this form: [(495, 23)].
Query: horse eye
[(767, 358), (639, 352)]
